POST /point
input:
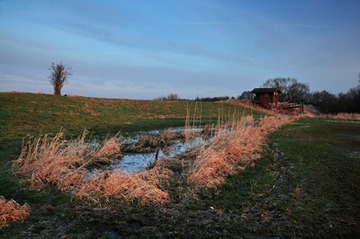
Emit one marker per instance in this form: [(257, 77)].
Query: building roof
[(265, 90)]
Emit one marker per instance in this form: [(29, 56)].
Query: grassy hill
[(26, 113)]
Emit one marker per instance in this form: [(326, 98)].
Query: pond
[(133, 162)]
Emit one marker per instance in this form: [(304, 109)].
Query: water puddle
[(354, 155), (137, 162)]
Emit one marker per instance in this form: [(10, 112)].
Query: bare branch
[(59, 76)]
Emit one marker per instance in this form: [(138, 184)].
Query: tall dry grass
[(236, 145), (144, 187), (11, 211), (54, 160)]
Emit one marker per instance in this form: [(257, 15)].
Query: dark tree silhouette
[(246, 95), (329, 103), (291, 90), (325, 102), (58, 77)]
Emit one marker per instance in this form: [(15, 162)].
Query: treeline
[(293, 91), (329, 103), (170, 97), (212, 99), (175, 97)]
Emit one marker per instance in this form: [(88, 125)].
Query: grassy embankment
[(305, 185), (24, 113)]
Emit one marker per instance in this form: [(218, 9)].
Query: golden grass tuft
[(236, 145), (48, 160), (109, 150), (11, 211), (159, 175), (120, 185)]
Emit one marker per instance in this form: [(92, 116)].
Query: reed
[(48, 160), (193, 120)]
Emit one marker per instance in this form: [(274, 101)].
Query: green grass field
[(26, 113), (306, 185)]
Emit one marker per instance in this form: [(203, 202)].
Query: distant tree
[(173, 97), (353, 100), (348, 102), (344, 102), (213, 99), (246, 95), (298, 92), (291, 90), (58, 77), (170, 97), (325, 102)]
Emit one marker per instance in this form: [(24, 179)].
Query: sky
[(144, 49)]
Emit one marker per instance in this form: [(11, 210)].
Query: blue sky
[(144, 49)]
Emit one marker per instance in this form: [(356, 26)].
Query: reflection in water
[(136, 162)]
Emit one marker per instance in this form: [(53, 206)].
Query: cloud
[(252, 25), (148, 49)]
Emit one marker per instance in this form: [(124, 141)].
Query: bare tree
[(58, 77), (170, 97), (291, 89)]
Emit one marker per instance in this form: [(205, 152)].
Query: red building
[(266, 97)]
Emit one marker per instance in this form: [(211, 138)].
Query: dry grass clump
[(344, 116), (145, 186), (159, 175), (63, 163), (109, 150), (154, 141), (120, 185), (11, 211), (236, 145), (48, 160)]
